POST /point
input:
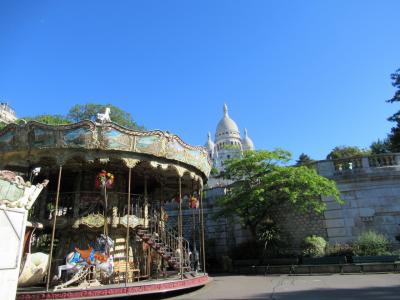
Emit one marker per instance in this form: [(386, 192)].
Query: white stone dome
[(210, 144), (247, 143), (226, 128)]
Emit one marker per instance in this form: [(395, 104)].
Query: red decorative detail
[(194, 202), (116, 291), (104, 179)]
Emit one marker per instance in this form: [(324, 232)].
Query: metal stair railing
[(169, 239)]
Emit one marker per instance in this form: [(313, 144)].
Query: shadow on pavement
[(160, 296), (375, 293)]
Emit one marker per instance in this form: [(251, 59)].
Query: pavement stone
[(289, 287)]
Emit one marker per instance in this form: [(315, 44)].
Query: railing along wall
[(350, 165)]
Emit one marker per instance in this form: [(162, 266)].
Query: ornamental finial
[(225, 110)]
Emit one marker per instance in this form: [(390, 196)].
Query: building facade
[(7, 114)]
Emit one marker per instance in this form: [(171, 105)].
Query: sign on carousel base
[(117, 290)]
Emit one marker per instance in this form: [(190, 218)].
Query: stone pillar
[(325, 168), (365, 162), (397, 159)]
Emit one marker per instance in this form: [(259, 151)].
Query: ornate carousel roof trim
[(108, 136)]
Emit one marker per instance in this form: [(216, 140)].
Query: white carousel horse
[(78, 259), (104, 118)]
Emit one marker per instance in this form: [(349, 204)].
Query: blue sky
[(302, 75)]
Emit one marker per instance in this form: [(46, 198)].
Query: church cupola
[(247, 143)]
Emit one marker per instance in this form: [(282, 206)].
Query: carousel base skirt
[(115, 290)]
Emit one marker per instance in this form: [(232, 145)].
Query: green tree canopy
[(262, 181), (89, 111), (304, 159), (394, 136), (347, 151), (381, 146), (49, 119)]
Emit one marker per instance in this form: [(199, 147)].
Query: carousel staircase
[(165, 241)]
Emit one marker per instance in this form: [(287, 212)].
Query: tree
[(347, 151), (304, 159), (381, 146), (262, 182), (49, 119), (394, 136), (89, 111)]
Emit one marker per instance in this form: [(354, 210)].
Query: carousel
[(100, 229)]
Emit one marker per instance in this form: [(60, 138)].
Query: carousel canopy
[(29, 142)]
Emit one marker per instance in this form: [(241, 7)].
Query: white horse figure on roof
[(105, 117)]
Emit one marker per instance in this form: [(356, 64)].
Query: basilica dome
[(226, 128), (247, 143)]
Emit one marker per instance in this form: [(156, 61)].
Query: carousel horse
[(81, 258)]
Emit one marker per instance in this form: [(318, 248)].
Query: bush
[(314, 246), (273, 239), (371, 243), (339, 250)]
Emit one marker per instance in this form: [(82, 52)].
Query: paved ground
[(337, 287)]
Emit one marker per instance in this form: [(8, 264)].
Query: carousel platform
[(115, 290)]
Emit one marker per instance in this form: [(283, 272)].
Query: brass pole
[(127, 226), (105, 211), (146, 224), (202, 231), (54, 228), (180, 228), (194, 223), (146, 204), (199, 232)]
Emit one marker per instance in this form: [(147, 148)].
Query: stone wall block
[(336, 232), (333, 223)]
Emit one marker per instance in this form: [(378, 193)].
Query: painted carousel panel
[(149, 144), (43, 138), (176, 151), (6, 141), (116, 140), (79, 137)]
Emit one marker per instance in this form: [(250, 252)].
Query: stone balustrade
[(357, 164)]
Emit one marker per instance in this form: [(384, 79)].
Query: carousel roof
[(158, 147)]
